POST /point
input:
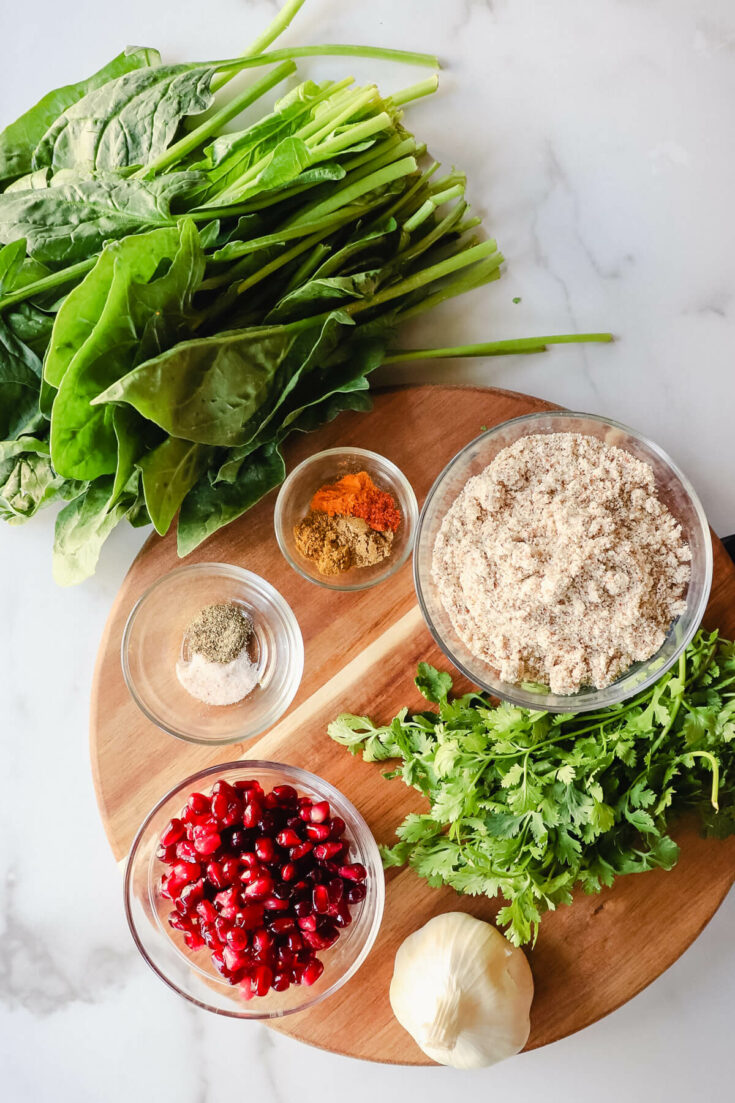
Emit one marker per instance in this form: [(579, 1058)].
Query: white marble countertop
[(597, 139)]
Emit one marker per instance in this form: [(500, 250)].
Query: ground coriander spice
[(337, 544), (219, 632)]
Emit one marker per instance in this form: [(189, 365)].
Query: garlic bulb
[(462, 991)]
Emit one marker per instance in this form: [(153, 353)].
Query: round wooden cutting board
[(361, 655)]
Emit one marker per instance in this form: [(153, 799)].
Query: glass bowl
[(674, 490), (191, 973), (152, 644), (326, 467)]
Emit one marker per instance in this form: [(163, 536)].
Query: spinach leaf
[(18, 141), (168, 474), (128, 121), (20, 384), (207, 508), (28, 481), (132, 311), (323, 294), (73, 220), (82, 528)]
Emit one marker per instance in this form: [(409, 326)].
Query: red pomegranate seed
[(250, 916), (319, 812), (193, 940), (186, 871), (265, 849), (262, 979), (172, 833), (295, 942), (270, 801), (250, 858), (252, 813), (210, 938), (338, 826), (307, 923), (288, 837), (238, 938), (289, 872), (354, 871), (343, 917), (274, 904), (260, 887), (205, 840), (262, 943), (335, 888), (246, 988), (249, 787), (191, 894), (199, 804), (316, 940), (301, 851), (285, 957), (224, 787), (320, 899), (286, 794), (186, 851), (327, 850), (206, 911), (234, 960), (252, 873), (355, 893), (312, 971), (317, 832), (281, 981), (167, 854), (305, 812), (302, 908), (282, 925)]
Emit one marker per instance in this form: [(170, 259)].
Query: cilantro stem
[(715, 773)]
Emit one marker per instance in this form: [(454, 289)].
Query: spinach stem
[(495, 348), (416, 91), (48, 283), (275, 28)]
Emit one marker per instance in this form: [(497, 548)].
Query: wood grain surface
[(361, 654)]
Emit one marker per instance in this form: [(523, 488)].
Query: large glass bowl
[(191, 973), (154, 641), (674, 490)]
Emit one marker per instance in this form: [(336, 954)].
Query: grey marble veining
[(597, 139)]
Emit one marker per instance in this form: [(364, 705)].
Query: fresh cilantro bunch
[(527, 805)]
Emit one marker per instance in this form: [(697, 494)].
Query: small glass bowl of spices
[(346, 518), (212, 653)]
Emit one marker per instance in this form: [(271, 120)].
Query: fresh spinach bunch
[(175, 302), (527, 805)]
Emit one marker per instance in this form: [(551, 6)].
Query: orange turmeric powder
[(358, 496)]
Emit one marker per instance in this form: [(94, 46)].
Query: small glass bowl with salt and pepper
[(346, 518), (212, 653)]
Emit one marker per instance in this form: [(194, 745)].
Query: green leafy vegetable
[(528, 806)]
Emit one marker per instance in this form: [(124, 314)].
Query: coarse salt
[(218, 683)]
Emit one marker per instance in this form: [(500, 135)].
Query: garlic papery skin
[(462, 991)]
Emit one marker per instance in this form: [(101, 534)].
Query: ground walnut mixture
[(558, 564)]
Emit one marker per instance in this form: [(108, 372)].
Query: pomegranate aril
[(222, 928), (302, 908), (252, 813), (262, 943), (295, 942), (320, 899), (259, 888), (273, 904), (342, 916), (186, 871), (270, 801), (316, 940), (312, 971), (282, 891), (285, 794), (327, 850), (246, 988), (262, 978), (167, 854), (238, 840), (335, 889), (353, 871), (288, 837), (205, 840), (210, 937), (250, 858), (193, 940), (307, 923), (199, 804), (337, 827), (234, 960), (298, 852), (305, 812), (282, 925), (238, 938), (317, 832), (281, 981), (186, 851), (265, 849), (252, 873), (355, 893), (224, 788), (250, 916), (319, 812), (172, 833), (289, 871), (227, 810), (206, 911), (249, 787), (190, 896)]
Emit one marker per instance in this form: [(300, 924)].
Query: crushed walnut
[(558, 564)]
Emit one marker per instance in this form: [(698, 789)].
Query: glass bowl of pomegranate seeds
[(254, 889)]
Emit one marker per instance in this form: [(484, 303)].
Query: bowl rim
[(573, 703), (296, 657), (411, 519), (294, 774)]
